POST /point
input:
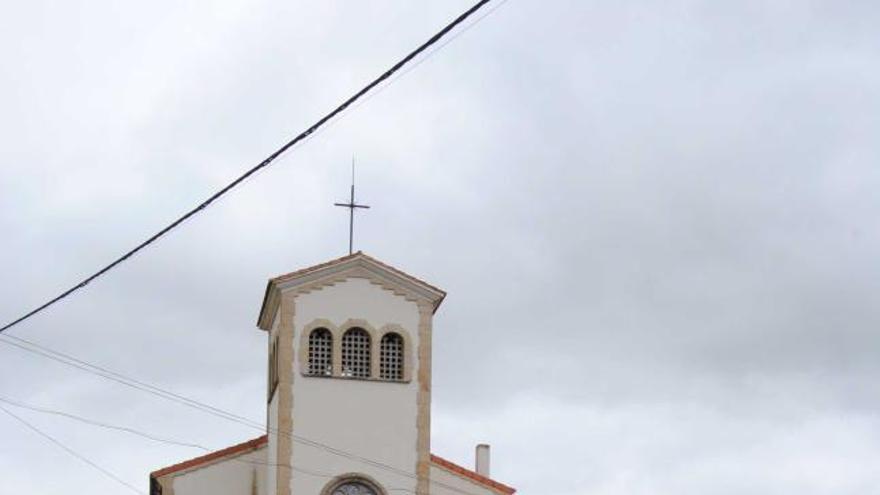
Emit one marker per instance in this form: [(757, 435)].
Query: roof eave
[(270, 298), (211, 457), (471, 475)]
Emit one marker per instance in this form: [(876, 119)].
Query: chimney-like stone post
[(482, 460)]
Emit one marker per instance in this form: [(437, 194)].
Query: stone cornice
[(357, 265)]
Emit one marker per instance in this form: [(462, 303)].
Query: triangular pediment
[(357, 265)]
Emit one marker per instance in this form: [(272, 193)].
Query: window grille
[(391, 357), (320, 352), (356, 353), (353, 488)]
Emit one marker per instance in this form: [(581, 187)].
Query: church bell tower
[(349, 367)]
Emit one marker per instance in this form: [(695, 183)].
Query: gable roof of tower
[(356, 264), (259, 442)]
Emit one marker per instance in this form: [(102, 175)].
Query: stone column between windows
[(375, 343)]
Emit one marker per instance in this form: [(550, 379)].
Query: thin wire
[(402, 74), (142, 434), (170, 396), (69, 360), (268, 160), (72, 452), (85, 366), (432, 52), (159, 439), (99, 424), (138, 385)]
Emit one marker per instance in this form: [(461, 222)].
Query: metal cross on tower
[(351, 205)]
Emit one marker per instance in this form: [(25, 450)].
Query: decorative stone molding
[(357, 265)]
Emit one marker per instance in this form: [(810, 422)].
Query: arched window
[(353, 484), (320, 352), (354, 488), (391, 357), (356, 353)]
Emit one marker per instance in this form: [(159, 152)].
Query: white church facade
[(348, 395)]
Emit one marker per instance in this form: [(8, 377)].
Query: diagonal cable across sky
[(263, 164)]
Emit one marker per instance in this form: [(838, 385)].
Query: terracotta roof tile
[(467, 473)]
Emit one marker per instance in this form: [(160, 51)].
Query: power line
[(164, 440), (142, 434), (72, 452), (88, 367), (268, 160), (400, 75), (72, 361), (92, 422), (433, 51)]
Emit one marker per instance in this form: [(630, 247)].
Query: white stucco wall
[(233, 476), (372, 419), (441, 477)]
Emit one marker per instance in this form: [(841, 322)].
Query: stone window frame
[(361, 478), (337, 331)]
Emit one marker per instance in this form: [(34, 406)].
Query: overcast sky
[(658, 224)]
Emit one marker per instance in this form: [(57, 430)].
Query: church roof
[(259, 442), (234, 450), (356, 263), (471, 475)]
